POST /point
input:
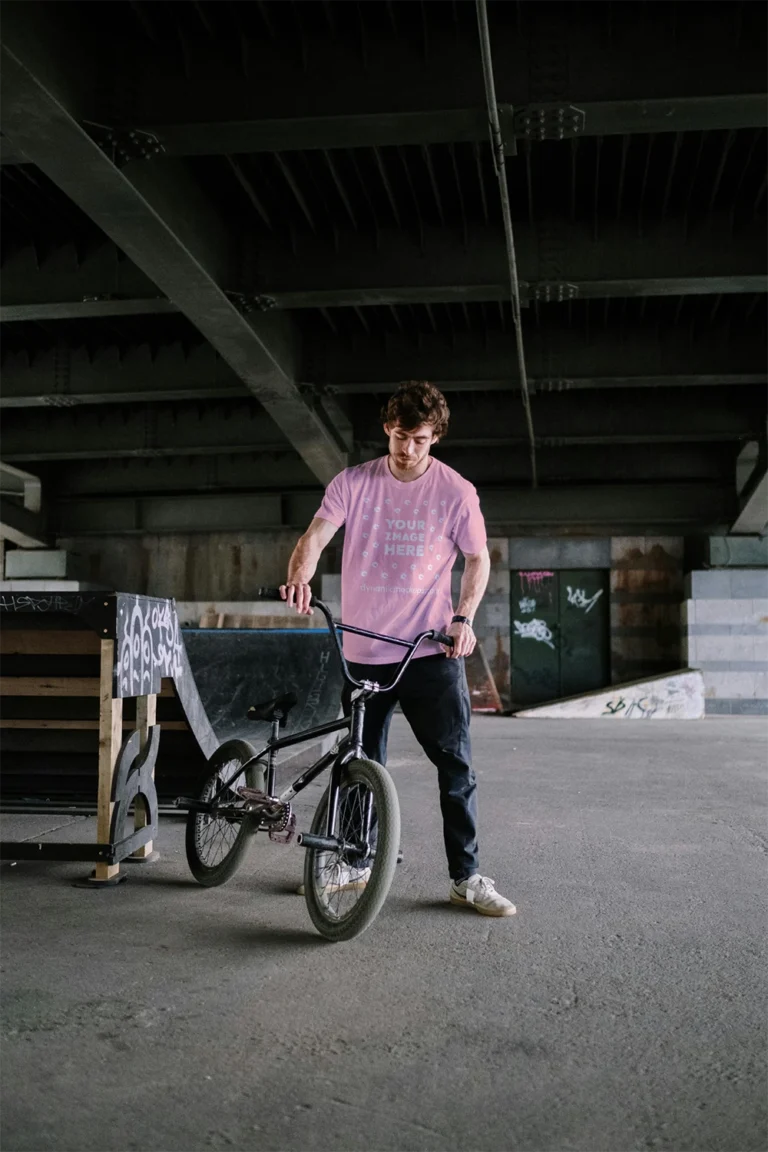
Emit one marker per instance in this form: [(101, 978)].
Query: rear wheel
[(216, 845), (344, 891)]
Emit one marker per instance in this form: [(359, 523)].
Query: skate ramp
[(674, 696)]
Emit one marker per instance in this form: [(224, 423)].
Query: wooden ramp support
[(110, 739), (140, 653)]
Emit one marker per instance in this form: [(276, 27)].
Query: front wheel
[(216, 845), (344, 893)]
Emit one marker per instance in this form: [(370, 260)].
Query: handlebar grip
[(268, 594), (273, 594), (441, 638)]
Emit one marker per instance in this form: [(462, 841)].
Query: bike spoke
[(216, 835), (334, 870)]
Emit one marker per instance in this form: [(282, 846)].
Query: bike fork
[(334, 786)]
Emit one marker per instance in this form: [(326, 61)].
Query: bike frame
[(351, 748)]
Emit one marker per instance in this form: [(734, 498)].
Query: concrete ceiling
[(228, 230)]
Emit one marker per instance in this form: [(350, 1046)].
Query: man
[(406, 516)]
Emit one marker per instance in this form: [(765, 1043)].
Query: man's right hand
[(298, 596)]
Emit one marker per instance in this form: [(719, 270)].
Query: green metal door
[(560, 634)]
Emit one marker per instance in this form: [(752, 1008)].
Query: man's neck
[(405, 477)]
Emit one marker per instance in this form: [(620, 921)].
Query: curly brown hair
[(417, 402)]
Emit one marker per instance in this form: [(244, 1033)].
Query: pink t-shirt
[(400, 544)]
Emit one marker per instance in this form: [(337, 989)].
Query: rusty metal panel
[(646, 594)]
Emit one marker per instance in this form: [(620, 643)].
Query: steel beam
[(65, 377), (21, 486), (440, 268), (557, 358), (447, 125), (731, 414), (587, 509), (556, 261), (752, 518), (158, 430), (102, 274), (569, 287), (199, 102), (231, 512), (9, 153), (24, 528), (158, 217), (608, 509), (87, 309), (265, 470), (284, 471), (576, 463), (567, 383)]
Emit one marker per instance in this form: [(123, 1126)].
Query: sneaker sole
[(462, 903), (355, 887)]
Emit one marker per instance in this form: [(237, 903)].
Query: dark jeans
[(434, 698)]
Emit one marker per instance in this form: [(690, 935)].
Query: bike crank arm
[(219, 811), (192, 805), (330, 844)]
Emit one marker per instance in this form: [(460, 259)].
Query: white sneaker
[(478, 892), (344, 879)]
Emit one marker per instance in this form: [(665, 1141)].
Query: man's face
[(409, 448)]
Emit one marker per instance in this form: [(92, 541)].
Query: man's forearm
[(303, 563), (474, 581)]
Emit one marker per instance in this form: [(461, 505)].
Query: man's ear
[(388, 429), (435, 440)]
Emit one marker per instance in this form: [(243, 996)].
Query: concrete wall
[(725, 635), (492, 622), (646, 583), (646, 593), (536, 554), (200, 567)]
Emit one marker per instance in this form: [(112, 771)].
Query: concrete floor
[(622, 1008)]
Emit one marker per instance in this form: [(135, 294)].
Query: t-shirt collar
[(406, 483)]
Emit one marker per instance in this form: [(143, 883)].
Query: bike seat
[(275, 709)]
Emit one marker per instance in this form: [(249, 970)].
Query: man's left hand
[(464, 640)]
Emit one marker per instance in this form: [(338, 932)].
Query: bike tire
[(367, 907), (200, 829)]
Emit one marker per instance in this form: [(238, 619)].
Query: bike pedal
[(284, 835), (253, 794)]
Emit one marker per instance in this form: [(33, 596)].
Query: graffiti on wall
[(676, 696), (534, 581), (674, 699), (527, 605), (578, 597), (534, 630)]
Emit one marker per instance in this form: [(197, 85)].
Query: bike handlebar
[(273, 594)]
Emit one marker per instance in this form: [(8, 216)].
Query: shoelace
[(486, 886)]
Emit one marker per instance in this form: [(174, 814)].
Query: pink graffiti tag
[(533, 581)]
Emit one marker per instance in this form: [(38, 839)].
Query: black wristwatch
[(461, 620)]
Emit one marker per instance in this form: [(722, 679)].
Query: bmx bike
[(353, 842)]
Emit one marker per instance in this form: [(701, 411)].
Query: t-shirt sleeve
[(469, 534), (334, 505)]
